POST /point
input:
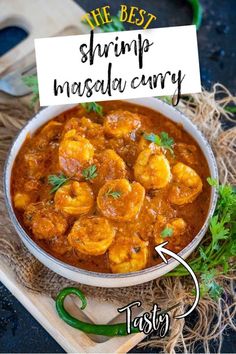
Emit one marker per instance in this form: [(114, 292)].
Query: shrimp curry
[(99, 189)]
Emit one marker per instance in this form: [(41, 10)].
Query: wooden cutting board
[(39, 18)]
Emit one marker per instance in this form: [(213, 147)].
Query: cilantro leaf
[(93, 107), (216, 251), (164, 140), (153, 138), (167, 232), (113, 194), (32, 82), (212, 182), (57, 181), (90, 172), (210, 286), (218, 231)]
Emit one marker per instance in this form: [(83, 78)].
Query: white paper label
[(118, 65)]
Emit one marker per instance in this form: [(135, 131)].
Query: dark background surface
[(19, 332)]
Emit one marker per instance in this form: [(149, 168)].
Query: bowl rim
[(184, 253)]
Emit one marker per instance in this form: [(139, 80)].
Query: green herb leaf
[(93, 107), (153, 138), (167, 142), (57, 181), (212, 182), (209, 285), (113, 194), (167, 232), (164, 140), (32, 82), (167, 99), (216, 251), (90, 172)]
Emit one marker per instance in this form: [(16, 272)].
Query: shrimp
[(85, 127), (50, 131), (145, 144), (152, 169), (187, 152), (186, 185), (74, 198), (21, 200), (75, 152), (72, 123), (128, 254), (91, 235), (45, 222), (120, 200), (109, 166), (176, 226), (121, 123), (60, 245)]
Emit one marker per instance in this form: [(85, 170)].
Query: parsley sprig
[(57, 181), (163, 140), (90, 172), (32, 82), (93, 107), (113, 194), (215, 257)]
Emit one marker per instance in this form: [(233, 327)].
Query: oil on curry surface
[(99, 191)]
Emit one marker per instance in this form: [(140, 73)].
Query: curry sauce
[(99, 190)]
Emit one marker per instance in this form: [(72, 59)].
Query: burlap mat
[(206, 110)]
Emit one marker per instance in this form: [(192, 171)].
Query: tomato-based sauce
[(100, 191)]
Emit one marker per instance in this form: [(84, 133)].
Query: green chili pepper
[(118, 329), (231, 109), (111, 330), (197, 12)]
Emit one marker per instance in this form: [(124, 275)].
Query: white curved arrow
[(161, 250)]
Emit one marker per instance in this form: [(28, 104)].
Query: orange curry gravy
[(138, 194)]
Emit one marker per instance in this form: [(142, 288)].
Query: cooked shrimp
[(75, 152), (50, 132), (186, 185), (120, 200), (128, 254), (92, 236), (21, 200), (187, 152), (60, 245), (176, 226), (88, 129), (45, 222), (145, 144), (152, 169), (74, 198), (72, 123), (121, 123), (109, 166)]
